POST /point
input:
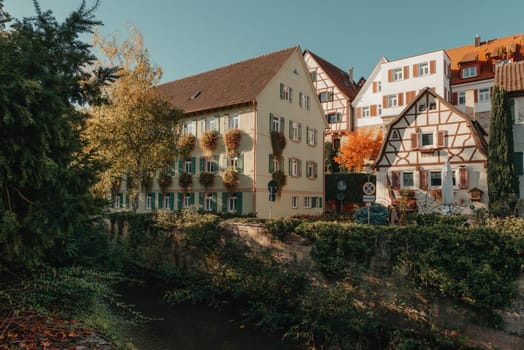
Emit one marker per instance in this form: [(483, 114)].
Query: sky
[(189, 37)]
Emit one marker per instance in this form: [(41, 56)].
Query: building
[(510, 77), (473, 69), (429, 132), (246, 103), (335, 89), (392, 85)]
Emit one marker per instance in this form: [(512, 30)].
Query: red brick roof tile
[(510, 76)]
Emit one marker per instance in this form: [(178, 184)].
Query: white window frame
[(188, 166), (232, 202), (234, 121), (379, 110), (307, 202), (325, 96), (423, 69), (469, 72), (484, 95), (275, 123), (398, 74), (403, 180), (209, 165), (294, 202), (365, 112), (333, 117), (212, 123), (287, 92), (233, 162), (312, 137), (208, 202), (310, 169), (188, 128), (276, 164), (295, 135), (167, 201), (305, 102), (379, 86), (393, 100), (149, 201), (422, 145), (294, 167), (461, 97), (313, 75), (430, 178), (186, 200)]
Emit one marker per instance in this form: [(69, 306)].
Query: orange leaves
[(359, 146)]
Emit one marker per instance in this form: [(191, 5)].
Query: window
[(469, 72), (408, 180), (398, 74), (294, 171), (312, 136), (295, 131), (484, 95), (294, 202), (432, 106), (379, 86), (313, 75), (275, 123), (232, 203), (423, 69), (211, 123), (188, 127), (461, 97), (119, 201), (210, 165), (379, 110), (167, 201), (187, 200), (365, 111), (392, 101), (311, 170), (234, 121), (426, 140), (286, 93), (149, 201), (208, 202), (333, 117), (307, 202), (303, 101), (187, 166), (325, 96), (421, 107), (435, 178)]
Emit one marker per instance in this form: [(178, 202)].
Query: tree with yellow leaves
[(135, 131), (359, 146)]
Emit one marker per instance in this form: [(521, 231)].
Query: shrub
[(378, 215), (281, 228), (206, 179), (185, 181)]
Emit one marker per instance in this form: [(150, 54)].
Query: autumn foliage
[(359, 146)]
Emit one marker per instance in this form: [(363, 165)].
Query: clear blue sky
[(189, 37)]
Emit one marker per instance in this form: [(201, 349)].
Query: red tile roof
[(339, 77), (231, 85), (501, 48), (510, 76)]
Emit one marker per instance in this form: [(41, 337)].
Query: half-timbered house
[(418, 142)]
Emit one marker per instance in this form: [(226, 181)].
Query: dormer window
[(469, 72)]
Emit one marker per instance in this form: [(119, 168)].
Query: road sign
[(367, 198), (368, 188), (272, 186), (341, 196)]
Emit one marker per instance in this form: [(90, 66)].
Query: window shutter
[(180, 197), (192, 198), (202, 164), (299, 167), (359, 112), (432, 67), (414, 140), (270, 168), (180, 166), (423, 179), (290, 129), (239, 202), (300, 131), (476, 95), (390, 75), (373, 110), (282, 96), (315, 133), (240, 162), (290, 95), (127, 200), (214, 202), (313, 202), (463, 177), (216, 158), (300, 99), (307, 135), (160, 203), (400, 99), (406, 72), (152, 200), (454, 98), (315, 170), (441, 138), (226, 121), (290, 165), (282, 124), (320, 202), (395, 180), (224, 201), (385, 101), (518, 160), (201, 199), (121, 200), (375, 88), (415, 70), (171, 200), (193, 165), (270, 122)]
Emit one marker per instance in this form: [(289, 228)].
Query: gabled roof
[(231, 85), (483, 53), (366, 84), (510, 76), (339, 77), (475, 127)]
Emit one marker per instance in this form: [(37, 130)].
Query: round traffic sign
[(341, 196), (368, 188), (272, 186)]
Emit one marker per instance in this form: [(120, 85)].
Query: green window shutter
[(193, 165), (320, 202), (127, 200), (300, 131), (240, 163), (315, 170), (171, 200), (282, 124), (152, 200), (180, 166), (201, 199), (313, 202), (290, 95), (300, 99), (519, 166), (315, 136), (214, 206), (192, 198), (299, 167), (270, 164), (239, 202), (270, 122), (290, 129), (307, 135), (180, 196), (226, 121), (290, 166), (121, 200), (202, 164), (216, 158), (160, 202), (224, 202), (282, 91)]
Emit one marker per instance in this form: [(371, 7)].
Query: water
[(190, 327)]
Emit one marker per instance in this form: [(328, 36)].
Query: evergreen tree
[(502, 181), (45, 175)]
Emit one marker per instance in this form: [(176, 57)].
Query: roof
[(340, 78), (231, 85), (484, 52), (510, 76), (475, 127)]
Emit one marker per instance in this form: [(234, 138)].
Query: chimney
[(477, 40), (470, 103), (350, 74)]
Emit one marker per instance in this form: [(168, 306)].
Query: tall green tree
[(135, 132), (45, 175), (502, 180)]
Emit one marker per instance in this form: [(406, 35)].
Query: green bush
[(431, 219), (378, 215), (281, 228)]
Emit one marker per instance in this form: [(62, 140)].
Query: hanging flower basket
[(281, 180), (147, 180), (232, 140), (278, 142), (206, 179), (209, 141), (186, 145), (164, 181), (230, 178), (185, 181)]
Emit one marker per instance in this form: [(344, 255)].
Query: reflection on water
[(190, 327)]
